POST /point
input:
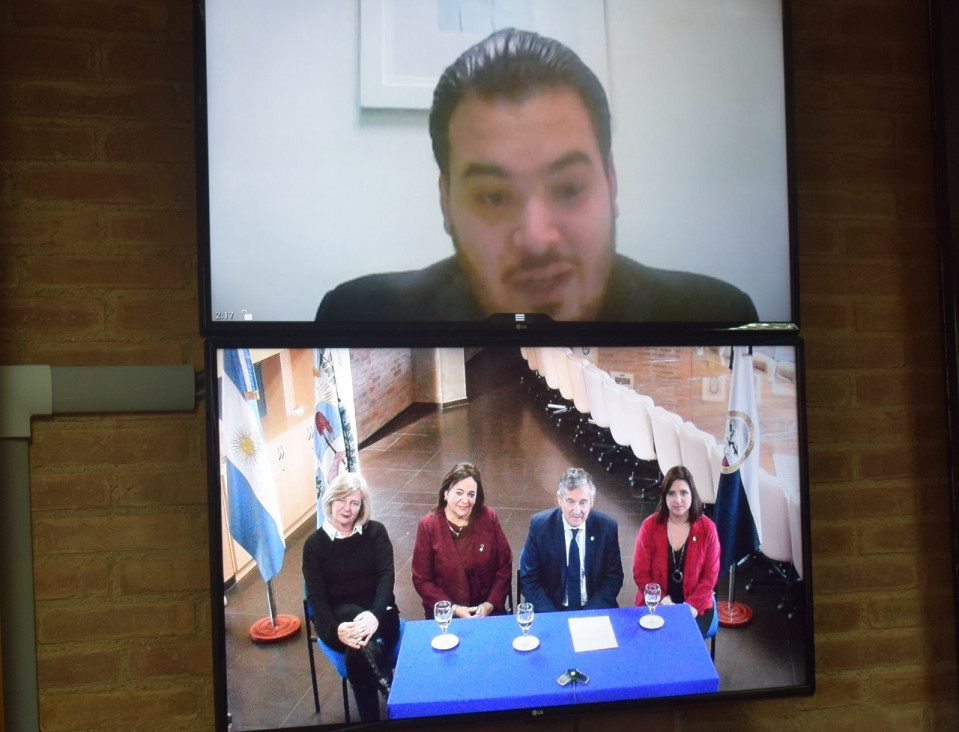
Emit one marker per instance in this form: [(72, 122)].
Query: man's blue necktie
[(574, 597)]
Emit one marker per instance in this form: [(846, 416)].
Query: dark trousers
[(366, 666)]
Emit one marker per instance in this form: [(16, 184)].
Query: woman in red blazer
[(461, 553), (678, 548)]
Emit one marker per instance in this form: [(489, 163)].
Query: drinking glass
[(524, 616), (443, 612), (652, 593)]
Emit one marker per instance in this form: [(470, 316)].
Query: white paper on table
[(592, 634)]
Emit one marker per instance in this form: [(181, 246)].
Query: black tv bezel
[(502, 326), (760, 338)]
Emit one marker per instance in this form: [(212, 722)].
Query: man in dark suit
[(571, 559), (521, 133)]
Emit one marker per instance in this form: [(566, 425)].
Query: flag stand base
[(733, 614), (265, 631)]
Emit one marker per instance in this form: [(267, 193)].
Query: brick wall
[(97, 267), (383, 386)]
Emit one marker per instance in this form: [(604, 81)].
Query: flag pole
[(276, 627), (733, 614)]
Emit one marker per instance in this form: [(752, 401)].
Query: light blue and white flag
[(334, 443), (737, 498), (254, 512)]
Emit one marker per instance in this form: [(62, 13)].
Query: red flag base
[(733, 614), (264, 631)]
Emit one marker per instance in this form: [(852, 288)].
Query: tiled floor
[(521, 454)]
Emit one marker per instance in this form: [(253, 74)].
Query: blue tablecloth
[(484, 673)]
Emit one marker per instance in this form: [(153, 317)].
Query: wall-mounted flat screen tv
[(441, 162), (353, 491)]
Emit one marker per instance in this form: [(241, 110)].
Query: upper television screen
[(597, 161)]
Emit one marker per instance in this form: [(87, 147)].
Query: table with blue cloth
[(484, 673)]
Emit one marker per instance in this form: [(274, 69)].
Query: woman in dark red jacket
[(461, 553), (678, 548)]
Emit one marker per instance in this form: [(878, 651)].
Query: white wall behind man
[(309, 190)]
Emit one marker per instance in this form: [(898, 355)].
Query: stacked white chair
[(698, 452), (666, 426), (641, 441), (615, 395)]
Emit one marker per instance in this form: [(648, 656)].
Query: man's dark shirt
[(635, 293)]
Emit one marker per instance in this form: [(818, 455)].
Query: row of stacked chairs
[(620, 427), (623, 429)]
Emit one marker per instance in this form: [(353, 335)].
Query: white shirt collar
[(332, 532), (568, 527)]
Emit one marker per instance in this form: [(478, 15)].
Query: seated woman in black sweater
[(348, 569)]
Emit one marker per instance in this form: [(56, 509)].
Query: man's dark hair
[(514, 64)]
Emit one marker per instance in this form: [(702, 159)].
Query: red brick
[(105, 353), (91, 622), (841, 201), (921, 461), (100, 185), (830, 131), (152, 144), (9, 272), (169, 60), (137, 576), (900, 388), (122, 709), (829, 466), (826, 312), (843, 57), (887, 649), (833, 540), (155, 102), (167, 228), (820, 239), (25, 57), (112, 533), (888, 23), (158, 316), (120, 272), (916, 205), (190, 659), (166, 488), (836, 616), (36, 142), (49, 492), (121, 442), (876, 166), (829, 389), (35, 229), (884, 97), (890, 502), (896, 687), (818, 167), (65, 578), (53, 315), (853, 351), (93, 15), (889, 241), (839, 575), (855, 278), (74, 669)]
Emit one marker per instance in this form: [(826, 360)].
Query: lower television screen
[(354, 489)]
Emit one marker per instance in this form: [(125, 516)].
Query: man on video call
[(520, 128)]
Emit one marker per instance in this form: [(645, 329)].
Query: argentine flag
[(736, 512), (254, 513)]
